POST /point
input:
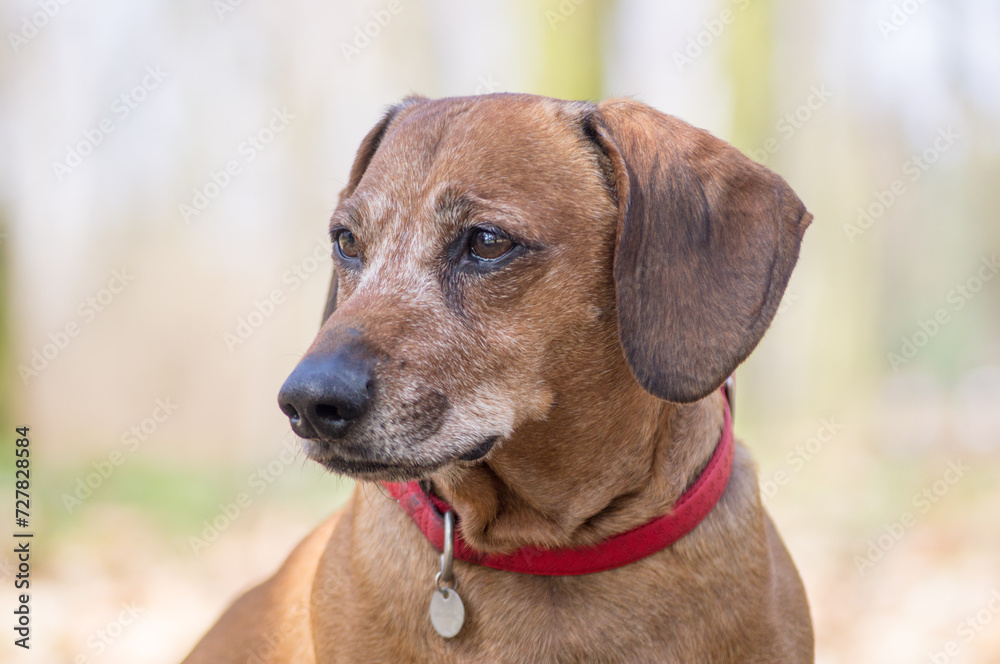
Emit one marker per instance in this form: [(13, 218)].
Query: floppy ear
[(707, 240), (367, 149), (331, 298)]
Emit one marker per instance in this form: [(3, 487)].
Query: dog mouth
[(377, 471), (480, 450), (381, 470)]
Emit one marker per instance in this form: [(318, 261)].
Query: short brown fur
[(658, 255)]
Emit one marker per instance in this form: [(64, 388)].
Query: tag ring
[(445, 579), (447, 612)]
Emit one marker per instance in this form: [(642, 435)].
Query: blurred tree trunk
[(749, 65), (572, 58)]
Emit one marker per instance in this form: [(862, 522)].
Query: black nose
[(326, 393)]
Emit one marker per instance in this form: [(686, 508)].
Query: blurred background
[(168, 171)]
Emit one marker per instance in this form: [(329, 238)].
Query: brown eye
[(489, 245), (346, 244)]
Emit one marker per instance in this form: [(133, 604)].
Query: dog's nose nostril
[(327, 393), (337, 413), (328, 412), (289, 410)]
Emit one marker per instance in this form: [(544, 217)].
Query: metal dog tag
[(447, 612)]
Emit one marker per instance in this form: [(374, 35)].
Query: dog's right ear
[(706, 242), (366, 151)]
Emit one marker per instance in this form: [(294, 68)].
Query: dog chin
[(372, 470)]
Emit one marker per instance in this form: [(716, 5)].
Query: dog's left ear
[(707, 240), (331, 298), (366, 151)]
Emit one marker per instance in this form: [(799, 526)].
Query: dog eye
[(347, 246), (489, 245)]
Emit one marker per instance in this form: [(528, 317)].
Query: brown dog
[(536, 302)]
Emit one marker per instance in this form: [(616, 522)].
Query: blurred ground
[(137, 575)]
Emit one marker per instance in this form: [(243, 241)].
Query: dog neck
[(590, 482)]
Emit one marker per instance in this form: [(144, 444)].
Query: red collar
[(690, 509)]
